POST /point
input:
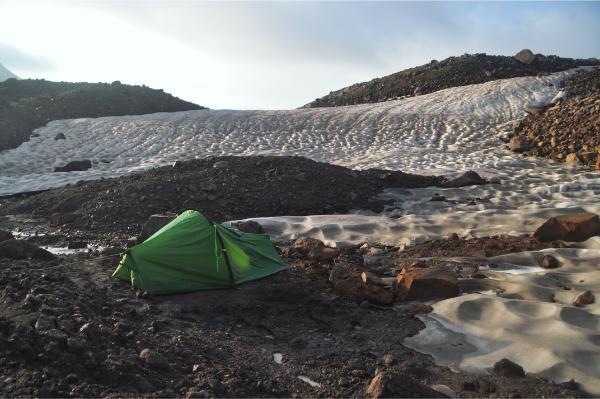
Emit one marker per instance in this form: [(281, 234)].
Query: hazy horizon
[(274, 55)]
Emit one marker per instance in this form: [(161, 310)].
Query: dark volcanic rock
[(19, 249), (74, 166), (469, 178), (506, 368), (153, 224), (242, 187)]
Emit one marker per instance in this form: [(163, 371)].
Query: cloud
[(13, 58)]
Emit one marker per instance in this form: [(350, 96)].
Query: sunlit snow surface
[(446, 131)]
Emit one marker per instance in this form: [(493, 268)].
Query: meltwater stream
[(440, 133)]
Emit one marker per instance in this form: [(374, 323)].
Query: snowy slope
[(446, 131)]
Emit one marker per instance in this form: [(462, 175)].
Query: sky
[(274, 55)]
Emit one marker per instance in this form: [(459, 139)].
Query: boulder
[(59, 136), (572, 158), (519, 144), (537, 109), (425, 284), (314, 249), (75, 166), (525, 56), (575, 228), (469, 178), (585, 298), (153, 224), (19, 249), (153, 359), (361, 288), (5, 235), (550, 262), (506, 368), (398, 385), (248, 226)]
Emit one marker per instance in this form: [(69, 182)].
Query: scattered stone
[(572, 158), (388, 360), (153, 359), (507, 368), (469, 178), (425, 284), (197, 393), (575, 228), (453, 237), (220, 165), (525, 56), (74, 166), (19, 249), (537, 109), (583, 299), (396, 385), (60, 136), (550, 262), (444, 390), (519, 144), (415, 308), (5, 235), (314, 249), (437, 197)]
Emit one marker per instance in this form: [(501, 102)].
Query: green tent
[(191, 253)]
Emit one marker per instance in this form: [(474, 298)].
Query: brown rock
[(575, 228), (524, 56), (572, 158), (550, 262), (519, 144), (585, 298), (352, 286), (424, 284), (153, 359), (453, 237), (314, 249), (398, 385)]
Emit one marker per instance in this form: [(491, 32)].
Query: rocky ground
[(568, 131), (451, 72), (222, 188), (68, 329), (330, 325)]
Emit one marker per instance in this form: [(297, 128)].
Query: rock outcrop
[(575, 228)]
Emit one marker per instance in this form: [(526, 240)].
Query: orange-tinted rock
[(577, 227), (423, 284), (550, 262), (398, 385), (583, 299), (314, 249)]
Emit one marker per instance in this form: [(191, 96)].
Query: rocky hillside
[(28, 104), (6, 74), (569, 130), (454, 71)]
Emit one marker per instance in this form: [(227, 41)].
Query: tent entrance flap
[(191, 253)]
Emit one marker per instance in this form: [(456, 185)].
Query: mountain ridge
[(28, 104), (451, 72)]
